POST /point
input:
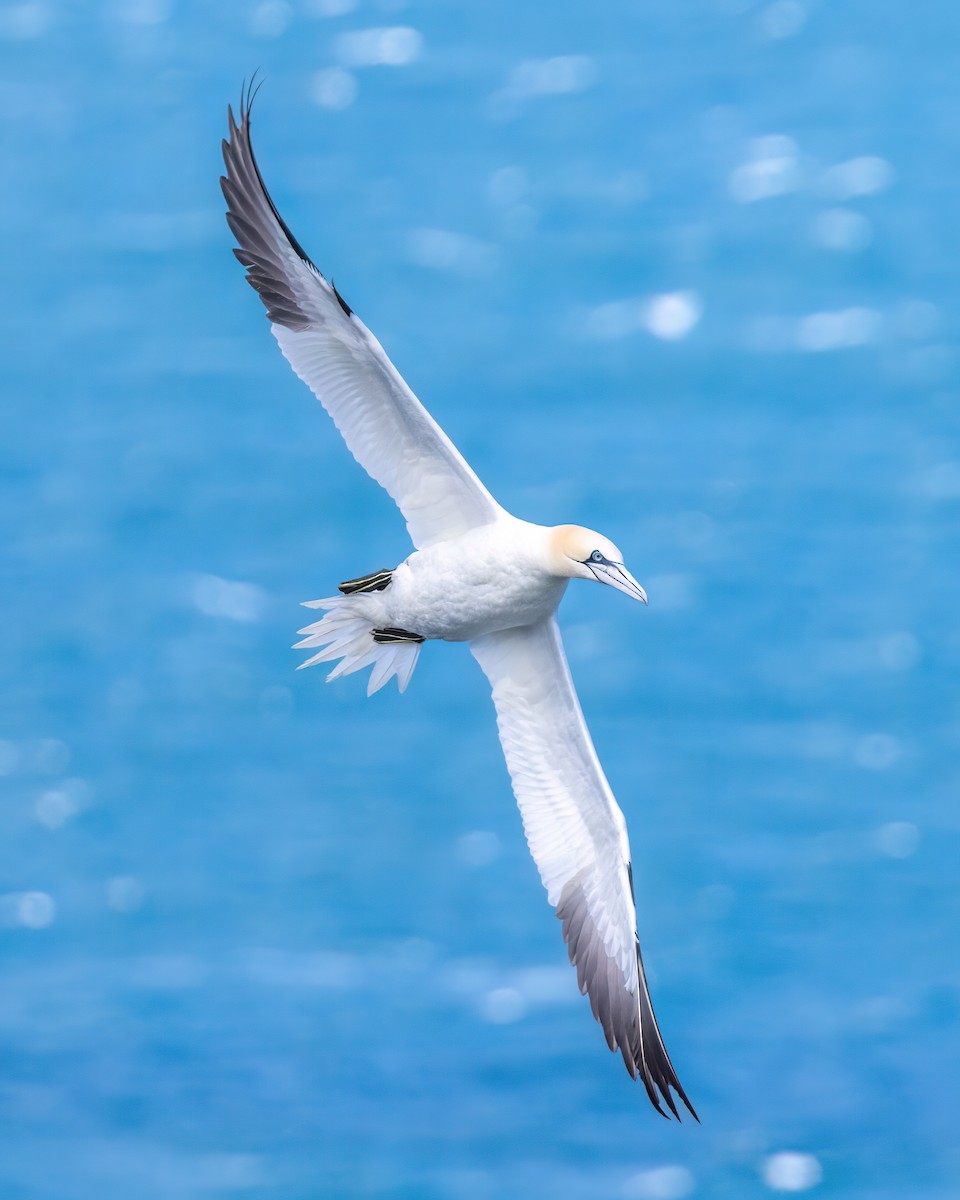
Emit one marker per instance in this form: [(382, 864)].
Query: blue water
[(685, 273)]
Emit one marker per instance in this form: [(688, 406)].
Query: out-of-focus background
[(682, 272)]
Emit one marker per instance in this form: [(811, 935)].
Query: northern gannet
[(477, 575)]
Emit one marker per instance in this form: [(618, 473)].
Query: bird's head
[(579, 553)]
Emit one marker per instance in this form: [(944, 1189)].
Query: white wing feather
[(578, 839), (385, 427)]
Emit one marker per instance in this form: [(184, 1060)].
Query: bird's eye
[(596, 556)]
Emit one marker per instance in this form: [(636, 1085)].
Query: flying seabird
[(477, 575)]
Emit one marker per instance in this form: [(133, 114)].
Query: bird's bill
[(619, 577)]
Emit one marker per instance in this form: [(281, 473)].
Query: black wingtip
[(682, 1097), (626, 1016), (248, 93), (690, 1109), (340, 300), (656, 1092), (658, 1071), (252, 91), (654, 1099), (241, 144)]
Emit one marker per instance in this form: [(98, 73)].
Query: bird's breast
[(476, 584)]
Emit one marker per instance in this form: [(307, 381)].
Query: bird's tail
[(347, 633)]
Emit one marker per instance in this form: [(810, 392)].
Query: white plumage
[(478, 575)]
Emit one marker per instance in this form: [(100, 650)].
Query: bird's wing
[(578, 839), (385, 426)]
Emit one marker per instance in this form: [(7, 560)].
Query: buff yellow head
[(578, 553)]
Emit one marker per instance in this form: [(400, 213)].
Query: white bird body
[(492, 578), (480, 575)]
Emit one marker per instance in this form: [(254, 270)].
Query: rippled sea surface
[(686, 273)]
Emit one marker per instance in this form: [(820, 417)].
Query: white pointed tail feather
[(360, 656), (382, 670), (406, 661), (345, 634)]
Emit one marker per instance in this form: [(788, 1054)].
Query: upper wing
[(578, 839), (386, 428)]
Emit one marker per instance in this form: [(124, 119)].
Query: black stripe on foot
[(392, 636), (367, 583)]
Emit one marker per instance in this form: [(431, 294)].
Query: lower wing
[(578, 839)]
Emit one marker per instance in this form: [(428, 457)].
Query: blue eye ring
[(596, 556)]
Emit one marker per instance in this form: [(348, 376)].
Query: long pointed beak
[(619, 577)]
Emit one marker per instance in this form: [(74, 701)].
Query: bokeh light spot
[(897, 839), (877, 751), (479, 848), (271, 19), (671, 1182), (503, 1006), (783, 19), (790, 1171), (673, 315), (29, 910), (333, 88), (391, 46)]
